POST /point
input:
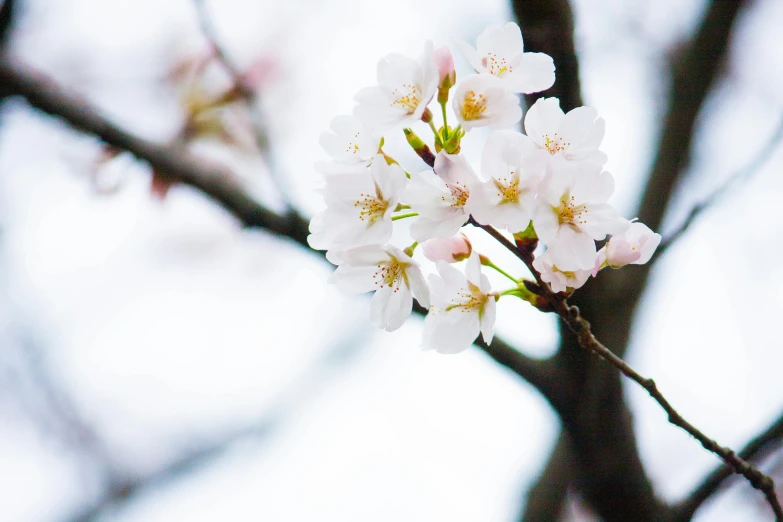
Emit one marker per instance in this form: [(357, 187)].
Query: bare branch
[(579, 326), (743, 174), (755, 450)]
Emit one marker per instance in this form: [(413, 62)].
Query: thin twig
[(754, 450), (580, 327), (744, 173), (250, 97)]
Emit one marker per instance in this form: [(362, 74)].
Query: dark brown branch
[(743, 174), (547, 497), (754, 451), (581, 328), (548, 27)]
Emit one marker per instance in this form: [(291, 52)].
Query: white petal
[(419, 286), (543, 119), (354, 280), (425, 228), (533, 72), (545, 222), (583, 130), (450, 337), (488, 320), (573, 250), (472, 56)]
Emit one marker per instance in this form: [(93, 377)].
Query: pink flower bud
[(634, 246), (444, 61), (449, 249)]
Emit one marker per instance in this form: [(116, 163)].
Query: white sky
[(170, 325)]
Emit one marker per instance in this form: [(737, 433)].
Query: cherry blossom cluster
[(546, 186)]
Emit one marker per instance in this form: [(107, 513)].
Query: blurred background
[(160, 362)]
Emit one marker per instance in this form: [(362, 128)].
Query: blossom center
[(569, 213), (353, 146), (459, 195), (473, 106), (371, 206), (467, 300), (555, 144), (406, 97), (508, 190), (495, 66), (389, 274)]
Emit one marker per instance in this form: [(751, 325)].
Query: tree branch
[(754, 451), (581, 328), (548, 27)]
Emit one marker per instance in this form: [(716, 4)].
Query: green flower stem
[(486, 262), (411, 248), (445, 122), (434, 130), (403, 216)]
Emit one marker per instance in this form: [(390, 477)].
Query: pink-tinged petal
[(488, 320), (448, 249), (543, 119), (533, 72)]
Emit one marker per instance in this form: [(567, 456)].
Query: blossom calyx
[(419, 147)]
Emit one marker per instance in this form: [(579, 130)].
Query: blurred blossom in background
[(159, 362)]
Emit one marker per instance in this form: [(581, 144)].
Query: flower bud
[(444, 61), (634, 246), (449, 249), (419, 147)]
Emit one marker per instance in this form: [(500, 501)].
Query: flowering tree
[(542, 195)]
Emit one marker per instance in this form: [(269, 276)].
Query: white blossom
[(441, 198), (571, 212), (351, 145), (635, 246), (574, 136), (462, 307), (558, 279), (499, 52), (405, 87), (514, 170), (481, 100), (448, 249), (359, 207), (394, 276)]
